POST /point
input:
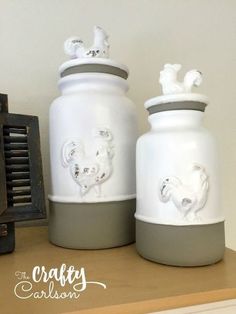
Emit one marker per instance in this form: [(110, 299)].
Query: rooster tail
[(164, 191), (202, 171), (69, 148), (204, 184), (100, 36), (100, 42), (204, 188), (192, 78), (72, 45)]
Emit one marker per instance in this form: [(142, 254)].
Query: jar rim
[(98, 65), (183, 105), (176, 100)]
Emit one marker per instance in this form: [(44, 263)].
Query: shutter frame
[(36, 208)]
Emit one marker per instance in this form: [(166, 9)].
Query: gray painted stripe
[(181, 105), (96, 233), (101, 68), (191, 245)]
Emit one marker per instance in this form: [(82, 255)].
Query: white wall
[(144, 35)]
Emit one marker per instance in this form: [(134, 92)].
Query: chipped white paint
[(75, 48), (189, 199), (90, 171)]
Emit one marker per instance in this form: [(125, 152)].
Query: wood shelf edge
[(163, 303)]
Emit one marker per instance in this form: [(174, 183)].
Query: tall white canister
[(93, 132), (179, 220)]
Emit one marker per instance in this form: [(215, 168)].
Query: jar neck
[(176, 119), (83, 82)]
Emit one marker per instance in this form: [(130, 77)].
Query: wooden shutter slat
[(22, 168), (17, 160), (16, 154)]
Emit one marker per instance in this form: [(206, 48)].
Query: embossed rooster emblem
[(189, 199), (90, 171)]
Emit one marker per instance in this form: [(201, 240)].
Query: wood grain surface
[(134, 285)]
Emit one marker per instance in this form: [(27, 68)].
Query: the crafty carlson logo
[(65, 282)]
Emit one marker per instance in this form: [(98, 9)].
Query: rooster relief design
[(188, 199), (90, 171)]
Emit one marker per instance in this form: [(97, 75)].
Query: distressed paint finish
[(189, 198), (90, 171)]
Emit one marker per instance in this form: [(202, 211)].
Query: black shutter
[(21, 179), (23, 182)]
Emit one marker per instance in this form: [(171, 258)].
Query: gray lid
[(181, 105), (94, 66)]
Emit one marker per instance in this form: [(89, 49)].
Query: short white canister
[(179, 220), (93, 133)]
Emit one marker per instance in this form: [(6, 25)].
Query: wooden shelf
[(134, 285)]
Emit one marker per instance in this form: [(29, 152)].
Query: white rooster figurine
[(89, 171), (189, 199), (170, 84), (74, 46)]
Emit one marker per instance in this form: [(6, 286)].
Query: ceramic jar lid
[(92, 59), (177, 95)]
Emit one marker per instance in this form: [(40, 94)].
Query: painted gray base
[(196, 245), (92, 225)]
